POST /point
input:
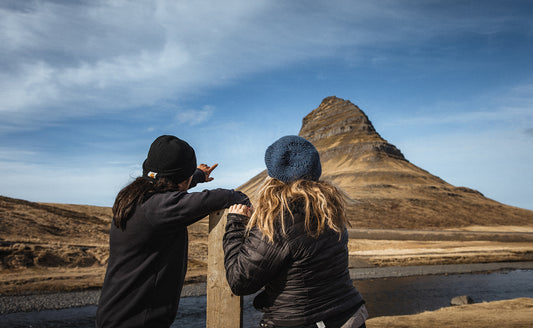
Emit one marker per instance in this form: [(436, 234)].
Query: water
[(410, 295), (387, 296)]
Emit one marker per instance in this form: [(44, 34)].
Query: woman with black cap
[(148, 244), (294, 244)]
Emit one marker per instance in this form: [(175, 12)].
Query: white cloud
[(194, 117), (502, 107), (37, 175), (87, 185), (22, 155), (68, 59)]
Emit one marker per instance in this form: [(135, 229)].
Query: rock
[(461, 300)]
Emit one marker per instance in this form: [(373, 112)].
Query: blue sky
[(85, 87)]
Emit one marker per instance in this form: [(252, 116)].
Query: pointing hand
[(207, 170)]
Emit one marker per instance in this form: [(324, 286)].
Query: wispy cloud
[(39, 176), (194, 117), (512, 104), (66, 59), (21, 155), (69, 184)]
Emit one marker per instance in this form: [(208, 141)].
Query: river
[(384, 296)]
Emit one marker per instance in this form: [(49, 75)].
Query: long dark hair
[(137, 192)]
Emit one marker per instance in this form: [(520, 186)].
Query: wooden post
[(224, 309)]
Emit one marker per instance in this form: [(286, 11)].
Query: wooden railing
[(224, 309)]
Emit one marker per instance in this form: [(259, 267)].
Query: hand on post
[(241, 209)]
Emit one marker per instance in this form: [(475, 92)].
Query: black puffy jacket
[(306, 279)]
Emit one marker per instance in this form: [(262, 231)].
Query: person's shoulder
[(157, 199)]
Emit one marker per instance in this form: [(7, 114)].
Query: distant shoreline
[(63, 300), (440, 235), (425, 270)]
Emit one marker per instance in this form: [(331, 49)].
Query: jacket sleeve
[(183, 208), (197, 177), (250, 261)]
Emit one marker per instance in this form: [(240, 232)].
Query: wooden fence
[(224, 309)]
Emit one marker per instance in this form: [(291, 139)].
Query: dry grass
[(506, 314), (61, 257), (63, 247)]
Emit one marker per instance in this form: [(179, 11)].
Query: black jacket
[(306, 279), (148, 260)]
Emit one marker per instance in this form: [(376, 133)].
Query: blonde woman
[(294, 244)]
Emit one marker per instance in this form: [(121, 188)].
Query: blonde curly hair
[(324, 206)]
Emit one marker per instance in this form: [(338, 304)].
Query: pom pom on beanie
[(291, 158), (170, 157)]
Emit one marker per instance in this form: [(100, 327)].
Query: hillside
[(51, 247), (384, 188), (48, 235)]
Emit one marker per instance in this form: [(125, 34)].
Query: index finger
[(212, 168)]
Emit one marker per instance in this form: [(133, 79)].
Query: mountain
[(384, 189)]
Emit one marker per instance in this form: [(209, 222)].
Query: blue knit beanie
[(292, 158)]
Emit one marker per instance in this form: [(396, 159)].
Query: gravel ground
[(54, 301), (430, 235)]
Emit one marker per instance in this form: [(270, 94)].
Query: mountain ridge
[(385, 190)]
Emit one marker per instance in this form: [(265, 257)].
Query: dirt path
[(442, 235)]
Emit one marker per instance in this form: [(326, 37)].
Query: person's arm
[(197, 177), (202, 174), (250, 261), (182, 208)]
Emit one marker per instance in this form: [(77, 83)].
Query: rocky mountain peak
[(339, 126), (334, 117), (385, 189)]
